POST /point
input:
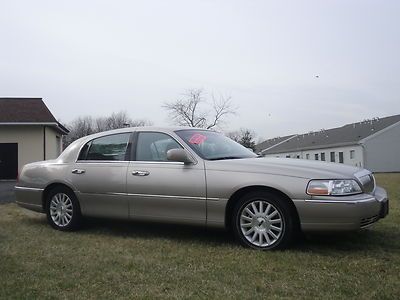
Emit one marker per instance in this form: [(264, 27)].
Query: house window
[(297, 156), (352, 154), (333, 156), (323, 156), (307, 156), (341, 157), (287, 156), (316, 156)]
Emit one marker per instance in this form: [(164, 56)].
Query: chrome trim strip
[(166, 196), (145, 162), (28, 188), (340, 201)]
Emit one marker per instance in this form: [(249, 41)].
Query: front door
[(8, 161), (162, 190)]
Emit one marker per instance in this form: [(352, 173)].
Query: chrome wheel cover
[(261, 223), (61, 209)]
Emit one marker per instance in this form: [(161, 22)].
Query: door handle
[(140, 173), (78, 171)]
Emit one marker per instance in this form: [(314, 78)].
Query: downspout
[(44, 142), (364, 155)]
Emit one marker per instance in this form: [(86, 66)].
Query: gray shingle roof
[(27, 110), (272, 142), (349, 134)]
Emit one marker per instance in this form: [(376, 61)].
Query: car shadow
[(323, 243), (143, 229), (357, 241)]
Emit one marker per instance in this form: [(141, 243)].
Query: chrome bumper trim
[(23, 188), (340, 201)]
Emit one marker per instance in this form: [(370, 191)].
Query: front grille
[(368, 183), (368, 221)]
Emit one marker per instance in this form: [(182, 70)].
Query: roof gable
[(24, 110)]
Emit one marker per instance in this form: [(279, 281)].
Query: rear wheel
[(62, 209), (262, 220)]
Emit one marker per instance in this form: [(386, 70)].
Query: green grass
[(109, 259)]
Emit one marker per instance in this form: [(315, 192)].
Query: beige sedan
[(201, 177)]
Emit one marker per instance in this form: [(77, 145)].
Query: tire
[(63, 210), (263, 220)]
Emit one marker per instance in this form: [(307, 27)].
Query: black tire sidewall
[(280, 204), (76, 211)]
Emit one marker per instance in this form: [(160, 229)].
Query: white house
[(28, 132), (372, 144)]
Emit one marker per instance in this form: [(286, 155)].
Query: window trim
[(127, 156), (134, 147)]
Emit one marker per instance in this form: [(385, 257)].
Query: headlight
[(338, 187)]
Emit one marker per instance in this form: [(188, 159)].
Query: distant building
[(28, 132), (372, 144)]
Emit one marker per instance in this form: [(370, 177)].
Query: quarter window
[(153, 146), (107, 148)]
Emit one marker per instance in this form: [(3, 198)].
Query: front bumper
[(342, 213)]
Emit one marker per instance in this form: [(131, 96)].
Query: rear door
[(8, 160), (100, 176)]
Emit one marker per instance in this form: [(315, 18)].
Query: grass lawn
[(109, 259)]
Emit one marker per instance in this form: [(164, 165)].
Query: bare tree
[(83, 126), (80, 127), (245, 137), (187, 111), (114, 121)]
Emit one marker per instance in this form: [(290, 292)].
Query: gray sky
[(98, 57)]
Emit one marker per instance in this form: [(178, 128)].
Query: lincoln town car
[(199, 177)]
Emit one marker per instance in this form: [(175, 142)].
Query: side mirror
[(180, 155)]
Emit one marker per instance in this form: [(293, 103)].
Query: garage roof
[(27, 110)]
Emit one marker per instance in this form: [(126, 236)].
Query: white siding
[(30, 142), (382, 151), (356, 161)]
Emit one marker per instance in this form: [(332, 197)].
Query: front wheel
[(263, 220), (62, 209)]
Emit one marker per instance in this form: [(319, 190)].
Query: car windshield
[(212, 145)]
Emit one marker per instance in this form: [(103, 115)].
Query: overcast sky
[(98, 57)]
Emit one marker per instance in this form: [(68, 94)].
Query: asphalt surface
[(7, 191)]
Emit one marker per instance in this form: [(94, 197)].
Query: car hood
[(286, 167)]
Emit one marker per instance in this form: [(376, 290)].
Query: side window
[(153, 146), (111, 147)]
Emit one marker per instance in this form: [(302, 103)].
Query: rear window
[(108, 148)]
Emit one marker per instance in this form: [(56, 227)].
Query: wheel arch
[(244, 190), (52, 186)]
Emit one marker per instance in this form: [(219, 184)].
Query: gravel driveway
[(7, 191)]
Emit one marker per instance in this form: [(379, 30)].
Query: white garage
[(28, 132)]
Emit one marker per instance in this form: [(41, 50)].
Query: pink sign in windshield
[(197, 139)]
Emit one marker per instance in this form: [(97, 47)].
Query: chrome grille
[(368, 183)]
